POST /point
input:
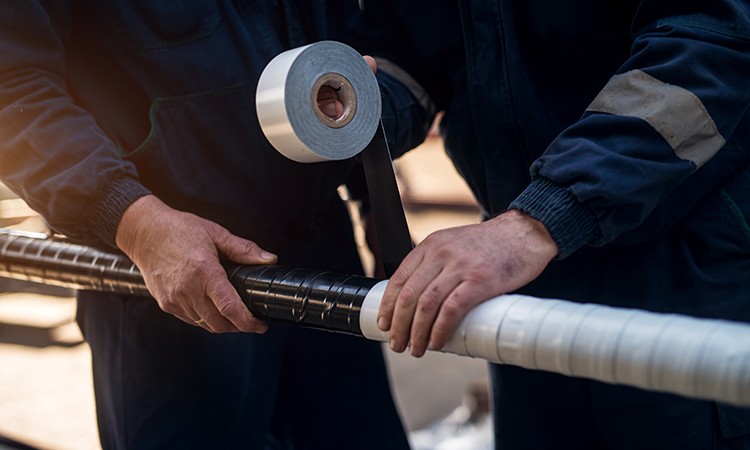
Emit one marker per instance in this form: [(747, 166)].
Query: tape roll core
[(288, 111), (346, 96)]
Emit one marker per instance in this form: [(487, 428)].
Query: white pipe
[(697, 358)]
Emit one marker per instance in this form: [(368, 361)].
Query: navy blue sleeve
[(52, 153), (430, 60), (668, 122)]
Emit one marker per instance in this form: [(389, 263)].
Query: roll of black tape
[(291, 119)]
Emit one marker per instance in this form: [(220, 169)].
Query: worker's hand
[(455, 269), (178, 255)]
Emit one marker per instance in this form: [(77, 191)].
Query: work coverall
[(102, 102), (623, 127)]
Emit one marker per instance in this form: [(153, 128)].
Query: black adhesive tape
[(286, 102)]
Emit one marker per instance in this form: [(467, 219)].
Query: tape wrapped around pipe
[(288, 112), (699, 358), (694, 357)]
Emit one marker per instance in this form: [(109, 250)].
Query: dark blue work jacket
[(622, 125), (101, 101), (611, 122), (516, 78)]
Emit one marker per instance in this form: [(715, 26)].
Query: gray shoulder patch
[(675, 113)]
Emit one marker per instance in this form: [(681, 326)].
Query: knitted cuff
[(570, 223), (108, 210)]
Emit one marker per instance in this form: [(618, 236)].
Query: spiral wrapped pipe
[(312, 299), (36, 257), (697, 358), (322, 300)]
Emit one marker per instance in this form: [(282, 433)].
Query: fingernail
[(394, 346), (261, 328), (431, 346), (382, 324), (267, 256)]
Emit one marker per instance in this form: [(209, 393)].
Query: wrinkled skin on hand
[(455, 269), (178, 255)]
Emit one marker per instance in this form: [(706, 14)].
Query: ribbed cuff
[(108, 210), (570, 223)]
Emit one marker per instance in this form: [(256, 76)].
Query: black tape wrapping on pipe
[(321, 300), (33, 257)]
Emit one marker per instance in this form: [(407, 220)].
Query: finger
[(393, 288), (372, 63), (201, 313), (329, 102), (212, 320), (326, 93), (462, 299), (171, 306), (332, 108), (229, 306), (427, 310), (193, 319), (200, 323), (406, 304), (239, 250)]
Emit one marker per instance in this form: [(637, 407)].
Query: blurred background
[(46, 394)]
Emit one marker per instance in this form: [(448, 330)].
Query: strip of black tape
[(390, 221)]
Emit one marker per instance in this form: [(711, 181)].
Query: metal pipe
[(322, 300), (36, 257), (697, 358)]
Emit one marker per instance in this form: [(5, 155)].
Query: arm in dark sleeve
[(405, 120), (664, 123), (52, 153), (418, 48)]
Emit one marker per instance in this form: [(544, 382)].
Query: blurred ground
[(46, 396)]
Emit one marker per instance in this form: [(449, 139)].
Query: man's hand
[(178, 254), (455, 269)]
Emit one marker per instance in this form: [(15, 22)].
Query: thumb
[(371, 62), (241, 251)]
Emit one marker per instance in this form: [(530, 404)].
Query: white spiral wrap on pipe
[(697, 358)]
